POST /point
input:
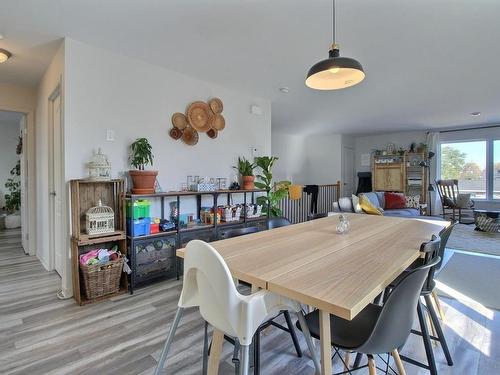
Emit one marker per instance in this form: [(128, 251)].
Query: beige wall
[(23, 99)]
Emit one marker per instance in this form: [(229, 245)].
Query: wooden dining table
[(310, 262)]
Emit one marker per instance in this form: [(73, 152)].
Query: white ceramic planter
[(12, 221)]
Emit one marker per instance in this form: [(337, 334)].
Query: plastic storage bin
[(155, 228), (139, 227), (139, 210)]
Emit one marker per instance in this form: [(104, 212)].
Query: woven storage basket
[(101, 279)]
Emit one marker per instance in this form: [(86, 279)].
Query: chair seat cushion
[(346, 334)]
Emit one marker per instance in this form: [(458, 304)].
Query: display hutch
[(86, 194), (153, 256)]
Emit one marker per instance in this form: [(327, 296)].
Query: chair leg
[(426, 339), (438, 305), (310, 347), (372, 367), (245, 359), (357, 360), (205, 351), (293, 333), (170, 338), (256, 353), (439, 330), (347, 359), (399, 363)]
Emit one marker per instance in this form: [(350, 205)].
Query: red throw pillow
[(394, 200)]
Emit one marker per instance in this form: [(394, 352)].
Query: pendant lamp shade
[(335, 73)]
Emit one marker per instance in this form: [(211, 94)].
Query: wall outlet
[(110, 135)]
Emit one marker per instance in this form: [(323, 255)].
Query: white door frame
[(59, 190), (353, 182)]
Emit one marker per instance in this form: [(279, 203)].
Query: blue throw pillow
[(373, 198)]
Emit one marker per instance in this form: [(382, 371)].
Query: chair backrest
[(208, 284), (277, 222), (445, 235), (431, 251), (448, 191), (316, 216), (230, 233), (395, 321)]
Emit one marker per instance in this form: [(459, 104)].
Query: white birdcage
[(99, 167), (100, 220)]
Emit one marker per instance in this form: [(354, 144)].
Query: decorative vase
[(248, 182), (13, 221), (143, 181)]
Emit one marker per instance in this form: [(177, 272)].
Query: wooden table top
[(311, 263)]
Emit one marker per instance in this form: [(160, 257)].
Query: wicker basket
[(101, 279)]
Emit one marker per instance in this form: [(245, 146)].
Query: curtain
[(432, 141)]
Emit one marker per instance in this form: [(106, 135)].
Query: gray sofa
[(378, 200)]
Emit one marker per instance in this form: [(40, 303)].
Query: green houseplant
[(141, 155), (13, 198), (245, 169), (275, 192)]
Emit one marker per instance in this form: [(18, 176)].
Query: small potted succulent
[(141, 155), (245, 168)]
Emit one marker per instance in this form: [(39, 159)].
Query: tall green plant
[(275, 192), (141, 154), (13, 184)]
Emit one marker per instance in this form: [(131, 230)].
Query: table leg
[(326, 342), (215, 352)]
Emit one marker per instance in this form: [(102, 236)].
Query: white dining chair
[(208, 285)]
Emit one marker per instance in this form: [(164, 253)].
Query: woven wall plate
[(212, 133), (190, 136), (198, 115), (179, 120), (175, 133), (216, 105), (218, 122)]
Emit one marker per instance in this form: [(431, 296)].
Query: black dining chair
[(236, 232), (378, 330), (277, 222), (316, 216), (230, 233)]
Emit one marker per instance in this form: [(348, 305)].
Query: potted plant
[(245, 168), (275, 192), (13, 199), (141, 155)]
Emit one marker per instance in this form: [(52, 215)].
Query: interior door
[(56, 185), (347, 171)]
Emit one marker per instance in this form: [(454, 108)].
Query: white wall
[(51, 79), (8, 157)]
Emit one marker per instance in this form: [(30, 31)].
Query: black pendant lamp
[(336, 72)]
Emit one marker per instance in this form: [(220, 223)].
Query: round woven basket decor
[(175, 133), (190, 136), (216, 105), (198, 115), (179, 120), (218, 122), (212, 133)]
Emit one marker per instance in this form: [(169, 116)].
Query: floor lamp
[(427, 165)]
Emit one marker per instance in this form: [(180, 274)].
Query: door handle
[(53, 193)]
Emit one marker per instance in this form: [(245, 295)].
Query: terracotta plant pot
[(143, 181), (248, 182)]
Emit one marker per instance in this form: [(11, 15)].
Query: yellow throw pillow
[(368, 207)]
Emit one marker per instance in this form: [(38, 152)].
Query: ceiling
[(429, 63)]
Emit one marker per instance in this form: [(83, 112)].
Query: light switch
[(110, 135)]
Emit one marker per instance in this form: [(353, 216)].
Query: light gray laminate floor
[(40, 334)]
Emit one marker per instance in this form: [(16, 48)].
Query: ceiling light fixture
[(336, 72), (4, 55), (475, 114)]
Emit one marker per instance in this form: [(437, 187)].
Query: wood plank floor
[(40, 334)]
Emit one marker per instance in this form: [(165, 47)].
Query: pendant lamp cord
[(334, 23)]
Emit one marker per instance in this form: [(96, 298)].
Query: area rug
[(475, 277), (464, 237)]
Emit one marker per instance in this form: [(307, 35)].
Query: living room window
[(475, 164)]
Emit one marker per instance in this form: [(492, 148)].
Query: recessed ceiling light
[(475, 114), (4, 55), (284, 90)]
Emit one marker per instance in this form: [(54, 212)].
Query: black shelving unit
[(161, 262)]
